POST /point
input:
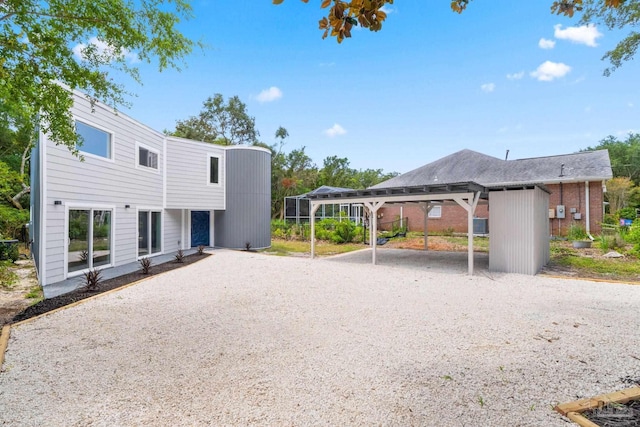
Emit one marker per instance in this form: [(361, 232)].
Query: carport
[(465, 194), (518, 223)]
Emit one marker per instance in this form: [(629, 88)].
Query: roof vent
[(506, 156), (562, 170)]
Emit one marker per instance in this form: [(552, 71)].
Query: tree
[(50, 48), (618, 190), (624, 155), (220, 123), (336, 172), (343, 15)]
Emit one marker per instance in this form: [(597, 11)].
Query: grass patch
[(8, 277), (287, 247), (35, 294), (605, 267), (480, 244)]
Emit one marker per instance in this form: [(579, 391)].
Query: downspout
[(587, 213)]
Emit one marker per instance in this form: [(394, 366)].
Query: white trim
[(112, 140), (587, 213), (151, 150), (246, 147), (211, 228), (188, 230), (209, 183), (42, 233), (182, 225), (164, 173)]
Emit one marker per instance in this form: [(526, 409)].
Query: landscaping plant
[(179, 256), (92, 279), (145, 265), (200, 249)]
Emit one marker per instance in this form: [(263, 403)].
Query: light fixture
[(127, 206), (57, 202)]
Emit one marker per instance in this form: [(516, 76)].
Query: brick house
[(576, 183)]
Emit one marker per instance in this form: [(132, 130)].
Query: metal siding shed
[(519, 227)]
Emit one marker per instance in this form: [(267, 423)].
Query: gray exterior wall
[(97, 182), (519, 225), (35, 223), (247, 217), (188, 184)]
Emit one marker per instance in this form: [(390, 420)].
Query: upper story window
[(94, 141), (214, 170), (147, 157), (436, 211)]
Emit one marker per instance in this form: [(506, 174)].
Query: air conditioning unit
[(480, 226)]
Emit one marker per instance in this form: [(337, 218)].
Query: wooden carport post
[(313, 208), (373, 214), (470, 207), (426, 209)]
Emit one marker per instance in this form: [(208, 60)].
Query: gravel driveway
[(244, 338)]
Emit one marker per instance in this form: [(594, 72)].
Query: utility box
[(577, 216), (560, 212), (480, 226), (552, 213)]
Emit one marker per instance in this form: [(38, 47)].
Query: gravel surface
[(250, 339)]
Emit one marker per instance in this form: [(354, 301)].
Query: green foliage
[(220, 123), (344, 232), (50, 47), (8, 277), (12, 220), (328, 229), (610, 219), (576, 232), (624, 155), (627, 213)]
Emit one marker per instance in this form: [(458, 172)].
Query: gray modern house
[(136, 192)]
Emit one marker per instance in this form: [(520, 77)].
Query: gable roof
[(471, 166)]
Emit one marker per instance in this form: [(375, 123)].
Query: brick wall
[(455, 217)]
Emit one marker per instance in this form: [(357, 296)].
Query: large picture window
[(89, 239), (94, 141), (147, 157), (149, 233)]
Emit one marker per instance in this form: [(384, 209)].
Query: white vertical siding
[(117, 182), (519, 241), (187, 175)]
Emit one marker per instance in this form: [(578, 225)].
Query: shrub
[(145, 265), (200, 249), (576, 232), (179, 256), (9, 252), (609, 219), (12, 220), (627, 213), (344, 232), (92, 280)]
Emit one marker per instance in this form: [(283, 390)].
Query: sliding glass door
[(149, 233), (89, 239)]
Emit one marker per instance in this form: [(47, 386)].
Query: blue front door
[(200, 228)]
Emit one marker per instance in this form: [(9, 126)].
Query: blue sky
[(432, 82)]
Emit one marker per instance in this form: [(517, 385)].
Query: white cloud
[(386, 9), (515, 76), (104, 51), (334, 131), (269, 95), (584, 34), (548, 71), (488, 87), (546, 44)]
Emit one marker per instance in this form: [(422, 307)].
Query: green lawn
[(287, 247)]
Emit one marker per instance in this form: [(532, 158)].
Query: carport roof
[(405, 193)]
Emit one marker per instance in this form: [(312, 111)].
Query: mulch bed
[(616, 415), (104, 286)]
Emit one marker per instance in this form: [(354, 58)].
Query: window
[(93, 140), (214, 170), (435, 212), (147, 157), (149, 232), (89, 239)]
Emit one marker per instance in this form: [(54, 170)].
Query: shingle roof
[(468, 165)]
